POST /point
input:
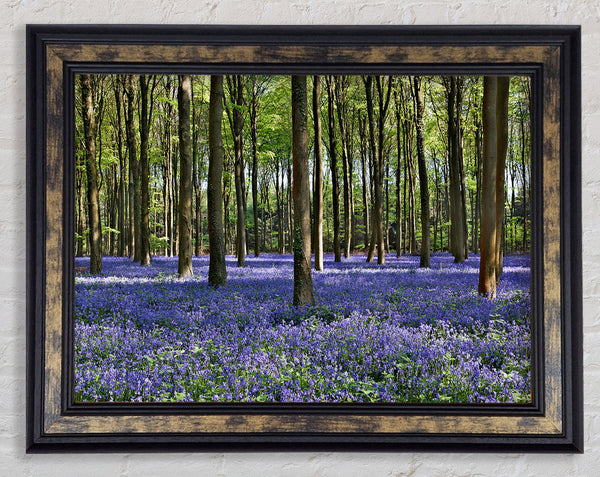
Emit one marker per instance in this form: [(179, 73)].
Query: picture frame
[(552, 422)]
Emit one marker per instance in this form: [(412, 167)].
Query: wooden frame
[(550, 54)]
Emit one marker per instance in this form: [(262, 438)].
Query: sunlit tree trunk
[(217, 272), (89, 126), (318, 175), (487, 272), (303, 287), (184, 221)]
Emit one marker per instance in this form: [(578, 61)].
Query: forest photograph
[(302, 239)]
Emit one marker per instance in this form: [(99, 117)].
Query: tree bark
[(254, 139), (487, 272), (457, 217), (398, 175), (376, 142), (502, 145), (184, 268), (134, 174), (335, 188), (144, 173), (236, 120), (121, 243), (89, 125), (303, 287), (340, 92), (217, 272), (318, 175), (423, 182), (365, 186)]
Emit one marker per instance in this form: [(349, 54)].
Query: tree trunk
[(236, 121), (184, 268), (333, 166), (80, 208), (376, 143), (340, 92), (303, 287), (217, 272), (398, 179), (318, 175), (365, 186), (424, 186), (479, 161), (279, 200), (121, 243), (253, 136), (144, 173), (487, 272), (457, 217), (89, 125), (502, 145), (134, 174)]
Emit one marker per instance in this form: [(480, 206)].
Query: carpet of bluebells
[(392, 333)]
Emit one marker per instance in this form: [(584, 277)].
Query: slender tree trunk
[(318, 175), (184, 268), (398, 181), (144, 173), (455, 159), (376, 198), (424, 186), (197, 169), (134, 174), (479, 162), (121, 243), (279, 200), (384, 92), (303, 287), (365, 186), (89, 126), (412, 214), (502, 145), (340, 92), (487, 272), (524, 194), (377, 238), (114, 207), (80, 208), (333, 166), (290, 206), (254, 138), (217, 272), (236, 119)]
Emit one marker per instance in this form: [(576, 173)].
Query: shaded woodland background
[(398, 161)]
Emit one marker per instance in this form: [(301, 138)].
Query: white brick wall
[(14, 14)]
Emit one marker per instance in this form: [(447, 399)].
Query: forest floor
[(392, 333)]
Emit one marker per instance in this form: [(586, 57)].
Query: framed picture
[(178, 175)]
